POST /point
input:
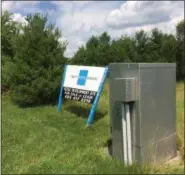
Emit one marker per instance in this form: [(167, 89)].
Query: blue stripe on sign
[(95, 103), (61, 89), (82, 77)]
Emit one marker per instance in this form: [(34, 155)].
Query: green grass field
[(40, 140)]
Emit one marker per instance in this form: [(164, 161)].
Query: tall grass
[(40, 140)]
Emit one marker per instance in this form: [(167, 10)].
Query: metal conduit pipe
[(126, 131), (129, 146)]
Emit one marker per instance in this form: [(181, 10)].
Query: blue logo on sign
[(82, 77)]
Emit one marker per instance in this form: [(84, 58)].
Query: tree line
[(155, 46), (33, 57)]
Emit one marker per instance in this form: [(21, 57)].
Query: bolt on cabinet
[(143, 111)]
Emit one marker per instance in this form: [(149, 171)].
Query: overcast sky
[(78, 20)]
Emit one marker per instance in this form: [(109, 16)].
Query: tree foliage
[(39, 59), (180, 50), (33, 56), (155, 46), (9, 33)]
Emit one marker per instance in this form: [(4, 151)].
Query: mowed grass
[(40, 140)]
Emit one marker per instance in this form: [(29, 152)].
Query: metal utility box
[(150, 91)]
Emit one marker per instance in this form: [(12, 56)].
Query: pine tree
[(180, 50), (39, 60), (9, 32)]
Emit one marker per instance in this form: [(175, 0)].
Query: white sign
[(83, 77), (81, 83)]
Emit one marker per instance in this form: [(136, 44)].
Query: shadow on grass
[(83, 112), (108, 145), (25, 105), (44, 104)]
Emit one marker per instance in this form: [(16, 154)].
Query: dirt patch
[(176, 160)]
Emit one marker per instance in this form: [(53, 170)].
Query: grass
[(40, 140)]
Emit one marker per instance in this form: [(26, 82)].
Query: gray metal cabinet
[(152, 104)]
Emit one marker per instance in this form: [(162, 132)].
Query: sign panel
[(82, 82)]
